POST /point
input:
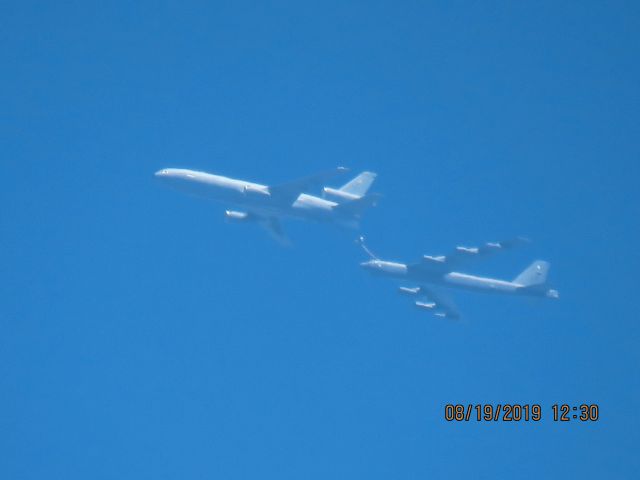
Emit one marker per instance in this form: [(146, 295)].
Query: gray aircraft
[(266, 205), (434, 272)]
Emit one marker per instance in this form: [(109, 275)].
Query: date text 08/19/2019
[(515, 412)]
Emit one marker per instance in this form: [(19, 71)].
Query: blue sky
[(142, 337)]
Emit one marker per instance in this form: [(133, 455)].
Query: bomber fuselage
[(458, 280)]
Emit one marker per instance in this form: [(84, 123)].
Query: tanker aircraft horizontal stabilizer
[(267, 205), (433, 274)]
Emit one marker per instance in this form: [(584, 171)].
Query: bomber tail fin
[(535, 275)]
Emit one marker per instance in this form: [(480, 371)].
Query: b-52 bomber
[(432, 273), (266, 205)]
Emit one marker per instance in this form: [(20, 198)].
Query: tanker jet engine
[(266, 205), (434, 272)]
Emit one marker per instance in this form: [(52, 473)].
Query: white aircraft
[(266, 205), (434, 272)]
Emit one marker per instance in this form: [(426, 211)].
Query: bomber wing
[(436, 302), (288, 192), (462, 256)]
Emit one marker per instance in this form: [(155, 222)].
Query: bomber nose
[(367, 264), (161, 173)]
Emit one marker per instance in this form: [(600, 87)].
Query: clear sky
[(143, 337)]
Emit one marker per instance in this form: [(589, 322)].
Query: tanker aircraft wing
[(274, 227)]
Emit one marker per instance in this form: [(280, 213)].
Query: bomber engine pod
[(426, 305), (409, 291), (234, 216)]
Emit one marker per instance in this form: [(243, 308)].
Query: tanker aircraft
[(266, 205), (432, 273)]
